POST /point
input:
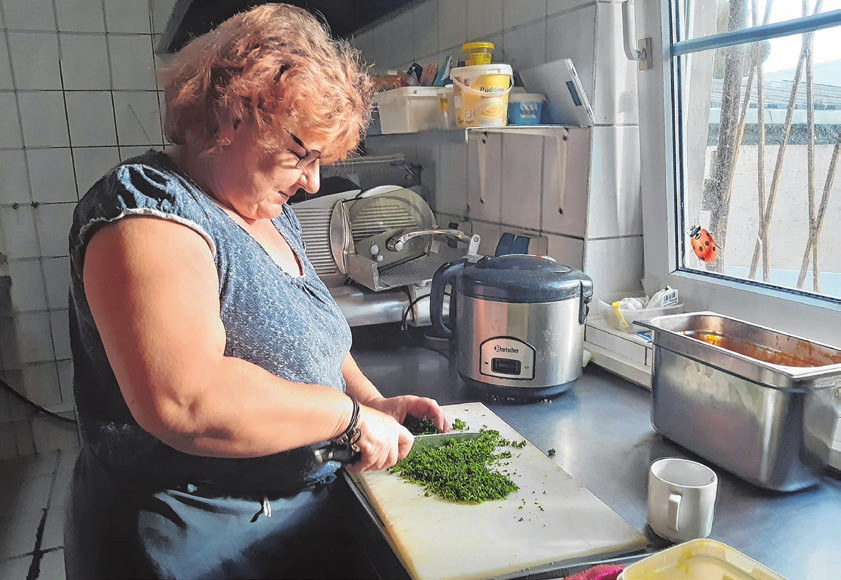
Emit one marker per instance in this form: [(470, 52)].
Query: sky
[(784, 51)]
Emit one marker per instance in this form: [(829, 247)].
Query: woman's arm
[(380, 417), (153, 290)]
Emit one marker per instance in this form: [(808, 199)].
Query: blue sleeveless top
[(289, 326)]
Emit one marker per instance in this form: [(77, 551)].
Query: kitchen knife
[(436, 440), (344, 454)]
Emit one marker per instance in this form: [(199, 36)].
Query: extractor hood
[(191, 18)]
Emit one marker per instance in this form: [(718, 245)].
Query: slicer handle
[(445, 274), (397, 243)]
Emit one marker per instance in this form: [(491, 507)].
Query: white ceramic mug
[(681, 499)]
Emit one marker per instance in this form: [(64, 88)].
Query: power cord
[(405, 329), (33, 404)]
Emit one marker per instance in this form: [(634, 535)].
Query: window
[(680, 130), (756, 93)]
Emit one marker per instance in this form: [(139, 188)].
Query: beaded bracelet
[(351, 435)]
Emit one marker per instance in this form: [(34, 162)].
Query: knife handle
[(338, 453)]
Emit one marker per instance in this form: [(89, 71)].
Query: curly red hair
[(276, 66)]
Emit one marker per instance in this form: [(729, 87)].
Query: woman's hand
[(383, 441), (420, 407)]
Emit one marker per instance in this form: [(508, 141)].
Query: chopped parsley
[(460, 471)]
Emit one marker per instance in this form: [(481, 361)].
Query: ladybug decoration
[(703, 244)]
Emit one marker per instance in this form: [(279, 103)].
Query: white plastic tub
[(624, 319), (414, 109), (699, 560)]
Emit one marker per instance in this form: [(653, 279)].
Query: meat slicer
[(377, 250)]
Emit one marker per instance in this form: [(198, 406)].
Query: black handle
[(338, 453), (444, 275)]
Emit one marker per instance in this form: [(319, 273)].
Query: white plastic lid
[(525, 97)]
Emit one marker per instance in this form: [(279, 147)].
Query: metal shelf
[(539, 130), (463, 135)]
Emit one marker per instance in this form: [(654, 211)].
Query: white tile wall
[(614, 264), (80, 16), (566, 176), (138, 117), (484, 18), (41, 383), (450, 195), (522, 180), (615, 208), (33, 334), (65, 379), (53, 223), (10, 134), (517, 12), (424, 30), (19, 237), (127, 16), (555, 6), (14, 185), (90, 115), (28, 292), (5, 69), (132, 63), (74, 100), (34, 57), (593, 177), (566, 250), (91, 163), (484, 177), (452, 25), (573, 35), (525, 46), (44, 119), (56, 280), (161, 10), (29, 14), (51, 175), (84, 62), (60, 328)]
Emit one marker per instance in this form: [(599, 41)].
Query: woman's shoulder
[(146, 185), (150, 181)]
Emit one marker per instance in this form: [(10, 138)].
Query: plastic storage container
[(623, 318), (699, 560), (480, 94), (476, 53), (525, 108), (414, 109)]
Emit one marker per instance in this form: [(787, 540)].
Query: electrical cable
[(404, 327), (33, 404)]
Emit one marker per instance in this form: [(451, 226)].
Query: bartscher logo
[(510, 349)]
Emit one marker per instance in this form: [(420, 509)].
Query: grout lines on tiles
[(37, 552)]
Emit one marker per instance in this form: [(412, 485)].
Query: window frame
[(804, 315)]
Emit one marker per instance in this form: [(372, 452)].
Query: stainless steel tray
[(743, 396)]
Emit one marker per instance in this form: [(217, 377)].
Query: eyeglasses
[(309, 157)]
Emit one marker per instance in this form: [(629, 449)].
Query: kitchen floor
[(32, 497)]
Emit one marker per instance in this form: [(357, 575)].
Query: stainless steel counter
[(602, 434)]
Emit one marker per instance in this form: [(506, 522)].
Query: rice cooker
[(517, 322)]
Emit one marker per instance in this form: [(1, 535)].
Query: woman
[(210, 361)]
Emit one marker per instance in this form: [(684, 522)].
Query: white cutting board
[(551, 519)]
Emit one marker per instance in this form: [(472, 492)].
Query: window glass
[(759, 143), (724, 15)]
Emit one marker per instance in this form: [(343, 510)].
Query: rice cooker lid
[(522, 278)]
